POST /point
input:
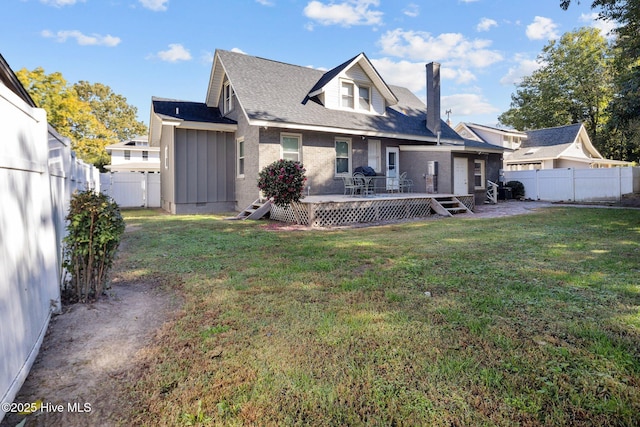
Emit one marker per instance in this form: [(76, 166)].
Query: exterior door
[(393, 168), (460, 176)]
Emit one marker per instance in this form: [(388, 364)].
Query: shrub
[(94, 229), (517, 189), (283, 181)]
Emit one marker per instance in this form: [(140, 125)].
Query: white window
[(240, 143), (166, 157), (346, 93), (145, 155), (374, 155), (343, 156), (290, 146), (355, 96), (364, 98), (229, 96), (479, 174), (127, 154)]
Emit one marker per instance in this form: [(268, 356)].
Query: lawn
[(526, 320)]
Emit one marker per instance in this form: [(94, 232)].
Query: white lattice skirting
[(326, 214)]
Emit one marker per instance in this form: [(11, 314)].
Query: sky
[(165, 48)]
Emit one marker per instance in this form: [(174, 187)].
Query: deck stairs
[(255, 210), (448, 206)]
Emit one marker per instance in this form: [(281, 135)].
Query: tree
[(573, 85), (624, 109), (90, 115), (111, 109)]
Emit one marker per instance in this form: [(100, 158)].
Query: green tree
[(90, 115), (574, 85), (623, 127), (111, 109)]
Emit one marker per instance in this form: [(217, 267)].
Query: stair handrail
[(492, 192)]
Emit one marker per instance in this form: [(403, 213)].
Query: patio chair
[(361, 183), (350, 185), (404, 183)]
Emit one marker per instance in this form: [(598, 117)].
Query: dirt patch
[(86, 353)]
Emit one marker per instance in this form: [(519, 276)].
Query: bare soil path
[(86, 354)]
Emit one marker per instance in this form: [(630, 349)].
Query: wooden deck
[(337, 209)]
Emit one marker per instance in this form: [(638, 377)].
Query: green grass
[(532, 320)]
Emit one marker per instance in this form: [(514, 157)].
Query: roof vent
[(177, 110)]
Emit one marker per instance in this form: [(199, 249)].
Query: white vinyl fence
[(132, 189), (38, 173), (578, 185)]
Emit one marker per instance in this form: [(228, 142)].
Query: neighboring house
[(257, 111), (559, 147), (134, 155), (507, 138), (551, 148)]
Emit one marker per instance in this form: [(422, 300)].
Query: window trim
[(483, 173), (355, 98), (127, 154), (240, 164), (349, 159), (291, 135)]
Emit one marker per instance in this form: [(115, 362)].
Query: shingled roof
[(552, 136), (275, 92), (188, 111)]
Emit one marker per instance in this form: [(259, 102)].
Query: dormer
[(353, 86)]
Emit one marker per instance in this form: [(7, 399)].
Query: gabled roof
[(362, 60), (552, 136), (554, 143), (272, 93), (474, 129)]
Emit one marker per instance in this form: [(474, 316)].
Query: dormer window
[(364, 97), (348, 91), (347, 95), (228, 98)]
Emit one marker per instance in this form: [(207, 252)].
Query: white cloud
[(155, 5), (60, 3), (524, 67), (605, 26), (467, 104), (403, 73), (346, 13), (450, 48), (175, 53), (265, 2), (238, 50), (485, 24), (412, 10), (83, 39), (542, 28)]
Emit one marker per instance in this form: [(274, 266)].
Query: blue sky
[(145, 48)]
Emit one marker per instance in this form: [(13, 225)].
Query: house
[(559, 147), (551, 148), (258, 110), (134, 155)]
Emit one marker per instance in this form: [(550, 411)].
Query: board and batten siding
[(204, 171)]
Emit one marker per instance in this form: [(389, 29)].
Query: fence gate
[(132, 189)]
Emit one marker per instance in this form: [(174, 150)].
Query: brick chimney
[(433, 98)]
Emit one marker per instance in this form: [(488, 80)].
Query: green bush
[(517, 189), (283, 181), (94, 229)]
